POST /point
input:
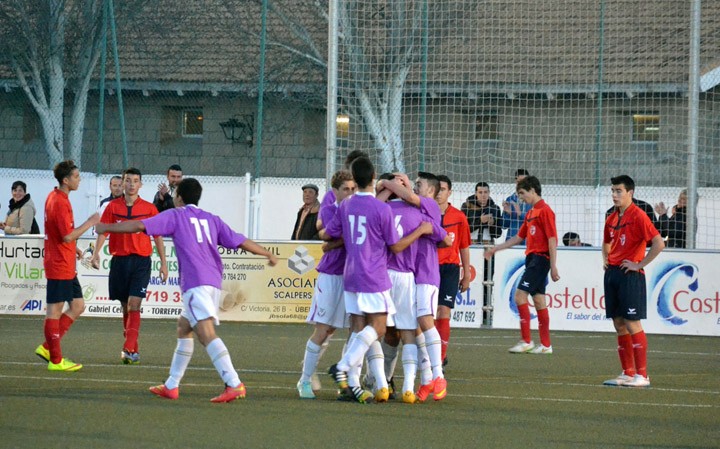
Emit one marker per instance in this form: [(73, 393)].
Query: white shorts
[(427, 299), (201, 303), (328, 305), (403, 296), (361, 303)]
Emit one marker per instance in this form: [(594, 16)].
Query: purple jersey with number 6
[(427, 267), (196, 235), (366, 225), (407, 219)]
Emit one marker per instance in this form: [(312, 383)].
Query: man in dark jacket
[(306, 222), (486, 217), (674, 228)]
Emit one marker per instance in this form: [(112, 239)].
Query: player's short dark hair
[(63, 169), (363, 171), (531, 182), (354, 154), (625, 180), (431, 179), (482, 184), (190, 191), (339, 177), (521, 172), (132, 171), (17, 184), (387, 176), (445, 179), (174, 167)]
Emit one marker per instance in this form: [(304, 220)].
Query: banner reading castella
[(252, 290)]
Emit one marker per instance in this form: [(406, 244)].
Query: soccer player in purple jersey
[(327, 311), (329, 199), (367, 229), (196, 234), (427, 280)]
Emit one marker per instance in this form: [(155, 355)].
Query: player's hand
[(404, 180), (426, 228), (79, 253), (628, 265), (554, 274), (95, 260), (464, 283), (272, 260), (605, 265), (489, 253), (163, 272)]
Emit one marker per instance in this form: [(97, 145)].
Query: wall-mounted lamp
[(239, 129)]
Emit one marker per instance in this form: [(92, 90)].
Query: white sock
[(310, 361), (180, 361), (391, 356), (357, 348), (221, 359), (434, 350), (409, 361), (354, 371), (376, 364), (423, 360)]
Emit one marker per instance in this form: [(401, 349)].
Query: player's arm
[(160, 245), (77, 232), (506, 244), (465, 263), (249, 245), (333, 244), (126, 227), (403, 191), (424, 228), (99, 242), (658, 244), (605, 254), (552, 250)]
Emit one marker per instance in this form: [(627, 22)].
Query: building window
[(486, 126), (192, 123), (646, 128)]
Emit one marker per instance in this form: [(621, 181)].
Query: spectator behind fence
[(483, 214), (21, 212), (306, 222), (674, 228), (514, 209), (573, 239), (164, 197)]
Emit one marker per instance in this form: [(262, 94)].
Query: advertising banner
[(468, 311), (682, 292)]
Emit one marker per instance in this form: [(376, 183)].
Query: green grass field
[(495, 399)]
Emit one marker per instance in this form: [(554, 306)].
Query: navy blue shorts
[(63, 290), (129, 276), (449, 284), (534, 279), (625, 294)]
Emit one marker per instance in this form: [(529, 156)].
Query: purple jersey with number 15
[(366, 225), (196, 235)]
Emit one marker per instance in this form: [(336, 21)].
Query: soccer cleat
[(64, 365), (230, 394), (540, 349), (382, 395), (340, 377), (409, 397), (391, 389), (439, 388), (522, 347), (639, 381), (305, 390), (424, 391), (165, 392), (130, 358), (360, 395), (43, 353), (619, 381), (315, 382)]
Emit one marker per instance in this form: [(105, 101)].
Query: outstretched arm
[(126, 227), (256, 249)]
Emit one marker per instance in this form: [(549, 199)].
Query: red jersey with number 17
[(628, 235), (455, 223), (59, 260), (538, 227)]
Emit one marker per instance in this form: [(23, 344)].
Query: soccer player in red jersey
[(131, 264), (59, 263), (451, 258), (541, 256), (627, 232)]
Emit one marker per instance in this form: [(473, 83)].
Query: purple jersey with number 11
[(196, 234), (366, 225)]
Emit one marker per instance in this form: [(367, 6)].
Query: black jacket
[(474, 213), (309, 229), (674, 228)]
